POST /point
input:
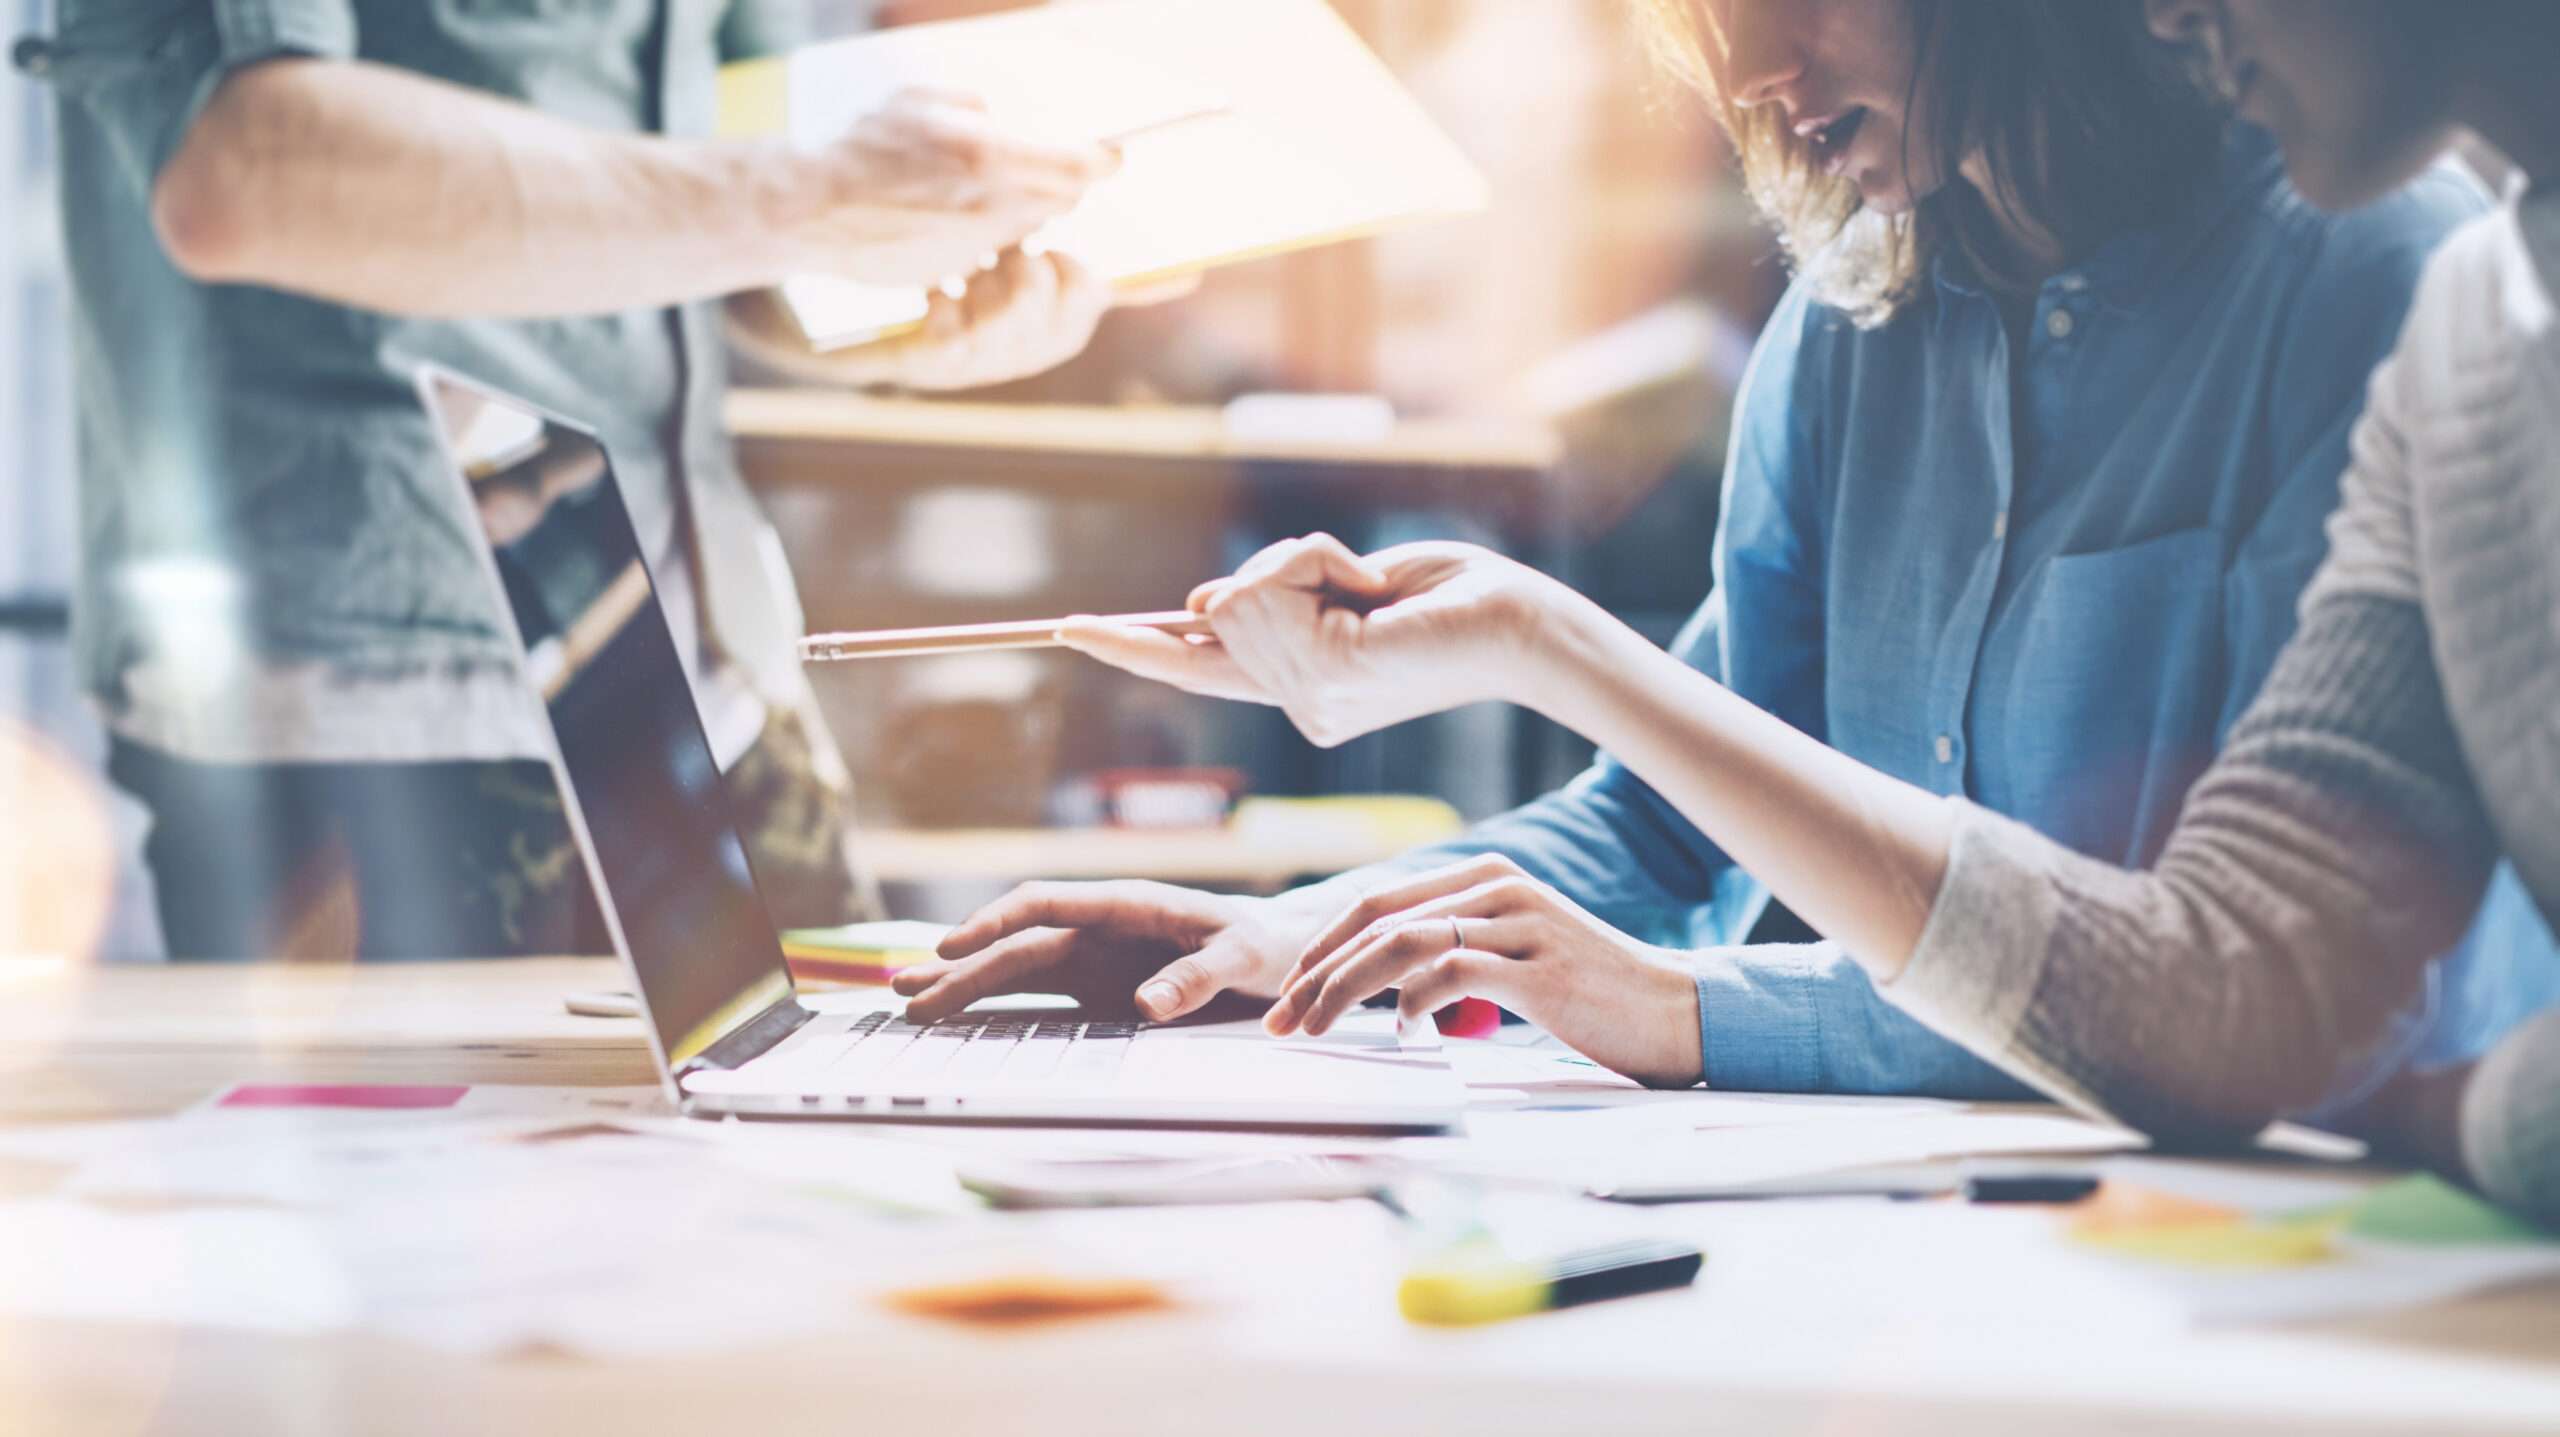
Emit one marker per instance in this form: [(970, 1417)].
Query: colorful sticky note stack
[(2142, 1222), (858, 954), (2417, 1211)]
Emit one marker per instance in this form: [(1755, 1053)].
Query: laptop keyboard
[(965, 1049)]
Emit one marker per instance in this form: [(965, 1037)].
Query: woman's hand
[(1162, 949), (1484, 929), (1346, 645)]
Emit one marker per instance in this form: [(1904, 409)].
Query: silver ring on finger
[(1457, 933)]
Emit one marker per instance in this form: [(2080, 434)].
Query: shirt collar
[(2126, 270)]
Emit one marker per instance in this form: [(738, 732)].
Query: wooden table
[(89, 1043)]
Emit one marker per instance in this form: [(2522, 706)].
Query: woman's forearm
[(2333, 847), (1855, 853)]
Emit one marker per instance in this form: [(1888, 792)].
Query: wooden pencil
[(974, 638)]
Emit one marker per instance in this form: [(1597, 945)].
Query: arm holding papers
[(376, 187)]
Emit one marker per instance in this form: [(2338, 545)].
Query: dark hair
[(2087, 125)]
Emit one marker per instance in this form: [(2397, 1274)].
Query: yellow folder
[(1253, 127)]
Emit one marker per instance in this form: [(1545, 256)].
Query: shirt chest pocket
[(2106, 710)]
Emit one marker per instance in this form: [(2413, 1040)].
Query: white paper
[(1242, 130), (1731, 1162)]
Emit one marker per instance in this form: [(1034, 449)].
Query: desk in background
[(904, 512), (1214, 858), (1811, 1316)]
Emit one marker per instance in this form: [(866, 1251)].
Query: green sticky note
[(2426, 1209)]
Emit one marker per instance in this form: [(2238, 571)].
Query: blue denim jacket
[(2060, 628)]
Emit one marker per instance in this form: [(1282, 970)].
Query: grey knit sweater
[(2407, 738)]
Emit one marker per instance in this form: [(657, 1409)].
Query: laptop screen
[(639, 769)]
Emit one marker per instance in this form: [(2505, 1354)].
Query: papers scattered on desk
[(587, 1221), (1793, 1157), (572, 1219), (1531, 1070)]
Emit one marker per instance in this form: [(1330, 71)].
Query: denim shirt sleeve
[(145, 71), (1608, 841), (1803, 1018)]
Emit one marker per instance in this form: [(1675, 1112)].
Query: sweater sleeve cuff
[(2511, 1121), (1976, 967)]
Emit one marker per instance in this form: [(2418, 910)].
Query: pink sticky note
[(341, 1095), (1469, 1018)]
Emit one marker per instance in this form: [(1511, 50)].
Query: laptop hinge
[(749, 1040)]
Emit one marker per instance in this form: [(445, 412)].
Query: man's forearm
[(374, 187)]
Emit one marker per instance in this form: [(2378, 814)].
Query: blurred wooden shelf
[(1216, 856), (1129, 432)]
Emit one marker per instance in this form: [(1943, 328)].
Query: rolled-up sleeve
[(1805, 1018), (144, 71)]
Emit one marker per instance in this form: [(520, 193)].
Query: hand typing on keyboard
[(1151, 948)]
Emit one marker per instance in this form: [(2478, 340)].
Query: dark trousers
[(383, 861), (442, 860)]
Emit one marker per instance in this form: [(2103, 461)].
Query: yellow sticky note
[(2235, 1245), (2140, 1222), (754, 98)]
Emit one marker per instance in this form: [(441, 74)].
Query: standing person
[(274, 209), (2025, 477), (2407, 739)]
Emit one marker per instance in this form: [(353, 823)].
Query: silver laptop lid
[(642, 790)]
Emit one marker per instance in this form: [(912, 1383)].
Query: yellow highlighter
[(1477, 1283)]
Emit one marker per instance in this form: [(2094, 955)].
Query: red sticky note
[(341, 1095)]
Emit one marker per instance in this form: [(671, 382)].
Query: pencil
[(974, 638)]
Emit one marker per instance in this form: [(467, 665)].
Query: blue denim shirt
[(2060, 628)]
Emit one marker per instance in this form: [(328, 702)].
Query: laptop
[(730, 1033)]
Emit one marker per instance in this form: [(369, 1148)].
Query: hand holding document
[(1243, 128)]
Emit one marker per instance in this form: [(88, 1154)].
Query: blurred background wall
[(44, 725)]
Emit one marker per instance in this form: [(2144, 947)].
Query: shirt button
[(1999, 527), (1946, 749), (2059, 324), (2073, 284), (32, 56)]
